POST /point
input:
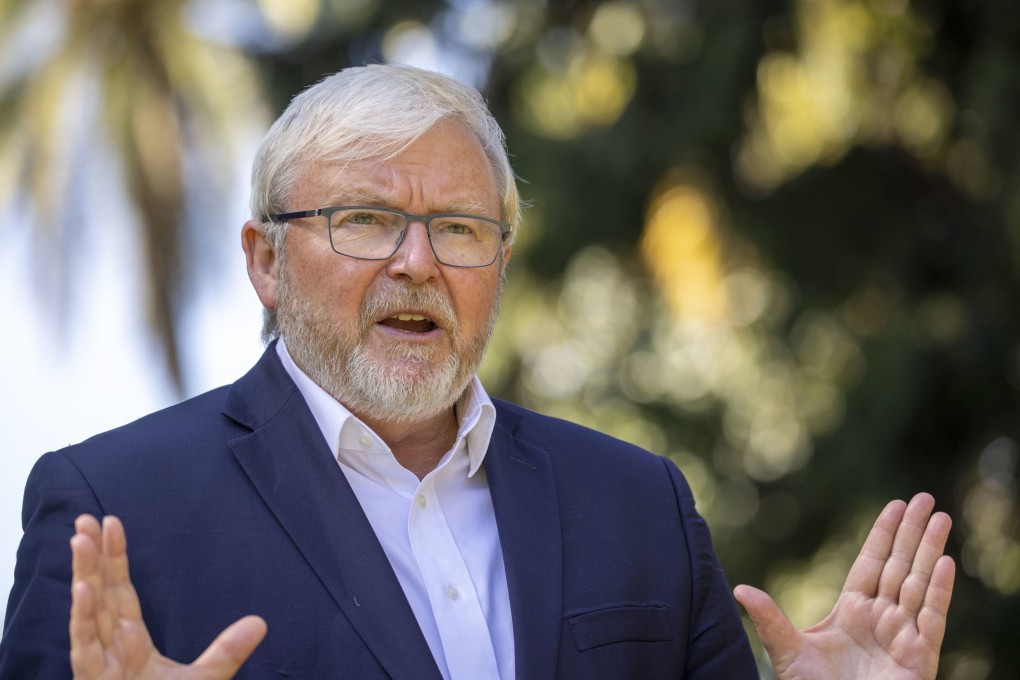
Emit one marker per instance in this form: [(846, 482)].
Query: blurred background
[(777, 241)]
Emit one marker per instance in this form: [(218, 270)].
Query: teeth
[(411, 317)]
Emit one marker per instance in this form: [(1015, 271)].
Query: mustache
[(403, 297)]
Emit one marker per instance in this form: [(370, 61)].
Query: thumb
[(778, 635), (231, 648)]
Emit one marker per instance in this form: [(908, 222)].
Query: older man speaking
[(357, 506)]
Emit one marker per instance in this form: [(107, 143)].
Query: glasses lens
[(365, 233), (374, 234), (465, 241)]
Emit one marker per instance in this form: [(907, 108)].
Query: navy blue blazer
[(234, 505)]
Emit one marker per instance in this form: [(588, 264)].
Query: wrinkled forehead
[(445, 169)]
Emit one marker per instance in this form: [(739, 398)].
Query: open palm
[(109, 640), (887, 624), (890, 618)]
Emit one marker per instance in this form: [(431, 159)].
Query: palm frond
[(156, 81)]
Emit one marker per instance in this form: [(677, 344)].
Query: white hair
[(373, 112)]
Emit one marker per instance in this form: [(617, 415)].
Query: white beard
[(409, 383)]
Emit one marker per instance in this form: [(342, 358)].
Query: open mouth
[(410, 323)]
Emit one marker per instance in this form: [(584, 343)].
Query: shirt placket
[(455, 601)]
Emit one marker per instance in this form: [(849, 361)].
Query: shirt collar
[(476, 413)]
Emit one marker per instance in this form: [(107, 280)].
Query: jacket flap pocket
[(620, 624)]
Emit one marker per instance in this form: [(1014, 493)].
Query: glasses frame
[(504, 228)]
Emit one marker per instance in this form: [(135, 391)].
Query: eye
[(360, 218), (458, 228)]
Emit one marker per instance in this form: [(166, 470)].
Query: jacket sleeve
[(36, 642), (717, 646)]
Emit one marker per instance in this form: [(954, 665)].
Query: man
[(360, 497)]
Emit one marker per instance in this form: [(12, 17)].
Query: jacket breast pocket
[(621, 624)]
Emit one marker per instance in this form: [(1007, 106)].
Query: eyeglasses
[(371, 233)]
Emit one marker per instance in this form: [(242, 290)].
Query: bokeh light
[(850, 79)]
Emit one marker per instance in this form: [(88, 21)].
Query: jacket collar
[(524, 498), (288, 462)]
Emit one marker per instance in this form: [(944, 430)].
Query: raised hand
[(889, 620), (109, 640)]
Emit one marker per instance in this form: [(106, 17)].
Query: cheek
[(474, 303), (340, 288)]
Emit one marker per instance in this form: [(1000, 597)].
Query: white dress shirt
[(439, 533)]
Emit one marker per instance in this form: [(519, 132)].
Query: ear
[(262, 262), (507, 250)]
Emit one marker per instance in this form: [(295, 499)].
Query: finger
[(87, 567), (231, 648), (89, 526), (87, 658), (931, 620), (866, 571), (85, 551), (121, 594), (905, 545), (778, 635), (933, 544), (84, 554)]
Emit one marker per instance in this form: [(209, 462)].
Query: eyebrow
[(370, 198)]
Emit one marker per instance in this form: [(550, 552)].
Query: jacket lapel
[(293, 470), (527, 513)]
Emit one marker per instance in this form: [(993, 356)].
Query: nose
[(414, 258)]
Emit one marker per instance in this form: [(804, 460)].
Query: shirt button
[(452, 593), (365, 441), (422, 501)]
